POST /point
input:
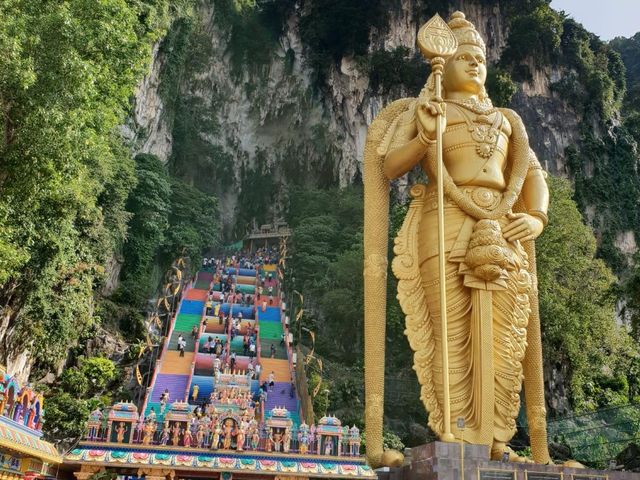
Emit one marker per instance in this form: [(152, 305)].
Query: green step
[(270, 330), (202, 285), (186, 321)]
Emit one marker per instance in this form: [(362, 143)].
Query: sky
[(608, 19)]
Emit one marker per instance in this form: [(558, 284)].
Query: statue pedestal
[(442, 461)]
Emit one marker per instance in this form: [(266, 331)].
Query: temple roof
[(25, 442), (217, 461)]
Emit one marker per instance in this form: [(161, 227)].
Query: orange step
[(279, 367), (197, 294), (172, 362)]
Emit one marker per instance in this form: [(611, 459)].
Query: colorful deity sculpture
[(227, 434), (276, 438), (215, 443), (286, 440), (148, 432), (187, 437), (240, 438), (120, 431), (255, 438), (200, 436), (166, 434), (303, 438), (175, 434)]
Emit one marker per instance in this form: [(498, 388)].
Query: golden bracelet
[(540, 215), (424, 140)]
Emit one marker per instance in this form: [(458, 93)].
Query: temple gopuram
[(224, 398), (23, 453)]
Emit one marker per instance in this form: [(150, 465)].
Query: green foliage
[(629, 50), (500, 86), (595, 84), (66, 416), (606, 178), (388, 69), (255, 27), (259, 188), (80, 390), (535, 29), (68, 72), (170, 218), (332, 29), (150, 204), (577, 307)]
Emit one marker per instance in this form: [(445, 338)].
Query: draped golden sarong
[(486, 319)]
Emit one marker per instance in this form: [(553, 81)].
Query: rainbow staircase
[(179, 375), (173, 372)]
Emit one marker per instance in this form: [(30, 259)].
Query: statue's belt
[(484, 197)]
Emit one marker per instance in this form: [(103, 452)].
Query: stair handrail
[(164, 349), (302, 384)]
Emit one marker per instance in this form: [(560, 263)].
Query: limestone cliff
[(272, 116)]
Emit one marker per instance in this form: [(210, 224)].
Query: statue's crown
[(465, 31)]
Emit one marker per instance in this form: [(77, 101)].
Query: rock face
[(275, 112)]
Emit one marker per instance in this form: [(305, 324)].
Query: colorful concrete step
[(246, 288), (204, 276), (265, 349), (237, 345), (176, 384), (246, 280), (246, 272), (202, 285), (214, 325), (173, 343), (197, 294), (205, 385), (236, 309), (280, 396), (279, 367), (172, 362), (192, 306), (270, 314), (270, 331), (185, 322)]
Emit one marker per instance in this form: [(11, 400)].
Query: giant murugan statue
[(493, 206)]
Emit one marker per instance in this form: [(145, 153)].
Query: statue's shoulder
[(383, 127), (511, 116), (395, 109)]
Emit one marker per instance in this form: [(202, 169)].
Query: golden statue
[(471, 230)]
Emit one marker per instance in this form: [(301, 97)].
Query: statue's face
[(466, 71)]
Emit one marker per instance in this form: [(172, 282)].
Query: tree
[(577, 304)]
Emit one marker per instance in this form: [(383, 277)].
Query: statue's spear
[(437, 42)]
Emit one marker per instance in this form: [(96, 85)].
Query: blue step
[(192, 306)]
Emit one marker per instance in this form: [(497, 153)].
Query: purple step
[(277, 398), (177, 384)]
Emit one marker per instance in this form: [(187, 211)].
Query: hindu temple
[(23, 452), (224, 397)]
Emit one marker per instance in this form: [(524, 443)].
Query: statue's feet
[(499, 450)]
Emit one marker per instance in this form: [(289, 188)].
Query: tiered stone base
[(443, 461)]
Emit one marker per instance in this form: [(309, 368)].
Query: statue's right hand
[(427, 112)]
